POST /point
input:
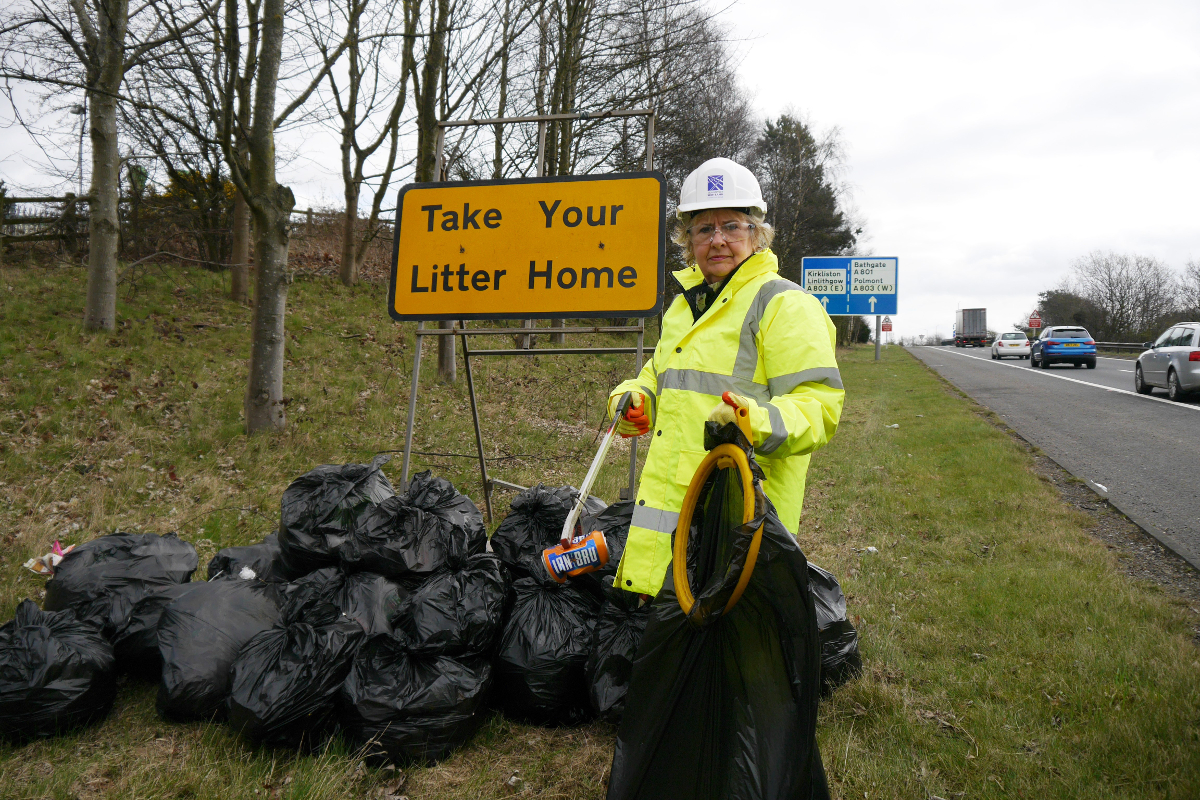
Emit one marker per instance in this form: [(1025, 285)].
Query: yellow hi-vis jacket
[(762, 337)]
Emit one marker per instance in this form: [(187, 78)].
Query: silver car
[(1172, 362)]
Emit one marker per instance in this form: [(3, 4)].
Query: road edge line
[(1162, 537), (1046, 374)]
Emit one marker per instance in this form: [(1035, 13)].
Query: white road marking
[(1126, 370), (1047, 374)]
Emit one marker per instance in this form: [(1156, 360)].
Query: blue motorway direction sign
[(851, 286)]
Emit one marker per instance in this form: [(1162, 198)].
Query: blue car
[(1063, 344)]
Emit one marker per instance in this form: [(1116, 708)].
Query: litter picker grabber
[(577, 552)]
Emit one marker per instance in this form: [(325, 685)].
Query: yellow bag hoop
[(723, 456)]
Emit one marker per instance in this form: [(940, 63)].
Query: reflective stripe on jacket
[(763, 337)]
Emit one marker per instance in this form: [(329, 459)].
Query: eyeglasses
[(731, 232)]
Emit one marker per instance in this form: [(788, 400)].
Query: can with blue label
[(586, 553)]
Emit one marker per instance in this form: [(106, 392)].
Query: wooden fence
[(65, 219), (19, 223)]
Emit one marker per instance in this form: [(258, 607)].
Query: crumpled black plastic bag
[(395, 539), (613, 522), (102, 580), (285, 681), (56, 672), (615, 642), (460, 520), (320, 508), (840, 659), (540, 675), (409, 707), (459, 610), (318, 588), (262, 559), (136, 643), (535, 523), (724, 706), (371, 600), (200, 635)]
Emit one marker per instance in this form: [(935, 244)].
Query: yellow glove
[(636, 421), (757, 417), (723, 412)]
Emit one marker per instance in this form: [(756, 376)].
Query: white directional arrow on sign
[(872, 301), (825, 303)]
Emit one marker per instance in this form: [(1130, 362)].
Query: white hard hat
[(720, 183)]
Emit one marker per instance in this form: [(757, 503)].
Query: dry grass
[(1006, 656)]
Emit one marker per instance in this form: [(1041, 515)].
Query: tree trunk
[(104, 231), (446, 361), (349, 268), (272, 208), (239, 271), (427, 113)]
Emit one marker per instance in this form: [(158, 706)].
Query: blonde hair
[(763, 235)]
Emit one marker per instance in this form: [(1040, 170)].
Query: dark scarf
[(701, 298)]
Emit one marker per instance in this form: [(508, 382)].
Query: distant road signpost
[(848, 286), (1035, 320)]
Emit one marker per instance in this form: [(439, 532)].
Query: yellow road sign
[(578, 246)]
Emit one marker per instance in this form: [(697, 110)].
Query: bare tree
[(202, 86), (369, 95), (1133, 293), (462, 48), (1189, 289), (85, 46)]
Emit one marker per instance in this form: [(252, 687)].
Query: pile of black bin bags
[(385, 616)]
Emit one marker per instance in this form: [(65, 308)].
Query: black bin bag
[(724, 705), (535, 523), (285, 682), (613, 522), (56, 672), (544, 648), (320, 508), (136, 643), (371, 600), (458, 611), (200, 635), (261, 561), (412, 708), (103, 579), (395, 539), (840, 660), (460, 520), (615, 642)]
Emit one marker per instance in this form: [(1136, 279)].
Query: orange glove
[(636, 421)]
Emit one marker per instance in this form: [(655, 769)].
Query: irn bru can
[(584, 554)]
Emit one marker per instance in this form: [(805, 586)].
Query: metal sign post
[(585, 246)]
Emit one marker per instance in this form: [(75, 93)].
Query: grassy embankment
[(1006, 657)]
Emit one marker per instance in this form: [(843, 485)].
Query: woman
[(738, 327)]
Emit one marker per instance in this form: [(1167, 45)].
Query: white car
[(1010, 344)]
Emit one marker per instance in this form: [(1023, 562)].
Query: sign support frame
[(559, 333)]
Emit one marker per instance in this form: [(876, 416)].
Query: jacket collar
[(754, 266)]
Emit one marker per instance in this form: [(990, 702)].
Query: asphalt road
[(1142, 452)]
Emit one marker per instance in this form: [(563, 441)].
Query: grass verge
[(1006, 656)]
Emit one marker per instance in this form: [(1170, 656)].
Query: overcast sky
[(988, 144)]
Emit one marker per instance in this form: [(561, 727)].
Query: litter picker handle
[(568, 530), (742, 415)]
